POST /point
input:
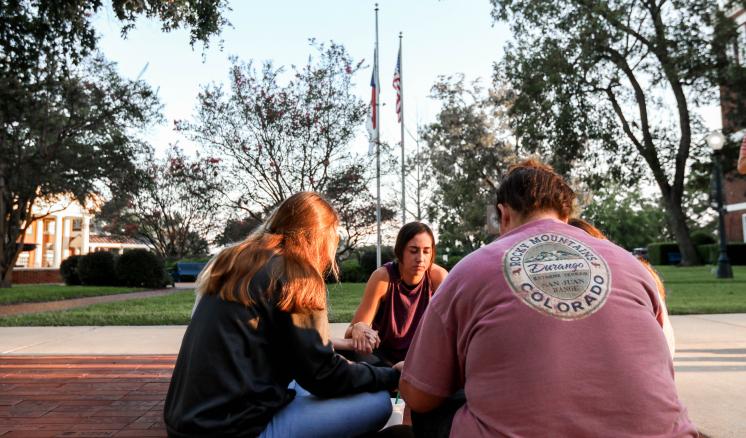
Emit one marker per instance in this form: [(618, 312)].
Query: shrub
[(141, 268), (97, 269), (452, 260), (658, 252), (69, 270), (702, 237), (736, 253), (368, 259), (350, 271)]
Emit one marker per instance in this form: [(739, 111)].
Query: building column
[(86, 234), (57, 241), (39, 239), (66, 227)]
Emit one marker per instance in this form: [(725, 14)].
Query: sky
[(443, 37)]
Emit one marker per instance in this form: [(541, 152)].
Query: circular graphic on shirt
[(557, 275)]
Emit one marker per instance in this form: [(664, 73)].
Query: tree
[(236, 230), (356, 206), (175, 207), (609, 86), (627, 218), (278, 137), (69, 137), (67, 117), (467, 159)]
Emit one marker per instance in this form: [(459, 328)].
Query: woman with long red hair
[(256, 359)]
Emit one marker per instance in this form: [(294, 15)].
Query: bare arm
[(359, 334), (417, 400), (437, 275)]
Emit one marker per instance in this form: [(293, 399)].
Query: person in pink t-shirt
[(545, 332)]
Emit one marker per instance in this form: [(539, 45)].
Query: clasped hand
[(364, 338)]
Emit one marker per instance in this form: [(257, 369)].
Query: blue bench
[(673, 258), (186, 271)]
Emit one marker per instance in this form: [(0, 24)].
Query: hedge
[(97, 269), (658, 252), (736, 253), (69, 270), (141, 268), (367, 258)]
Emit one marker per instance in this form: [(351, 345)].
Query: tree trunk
[(6, 280), (677, 220)]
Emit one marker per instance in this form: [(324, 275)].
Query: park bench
[(186, 271)]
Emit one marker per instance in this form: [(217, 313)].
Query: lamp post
[(716, 140)]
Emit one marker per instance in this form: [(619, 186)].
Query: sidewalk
[(710, 374)]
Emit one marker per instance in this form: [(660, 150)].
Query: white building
[(63, 231)]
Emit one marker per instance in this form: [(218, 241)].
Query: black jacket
[(235, 364)]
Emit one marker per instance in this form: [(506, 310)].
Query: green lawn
[(690, 290), (696, 290), (34, 293), (166, 310)]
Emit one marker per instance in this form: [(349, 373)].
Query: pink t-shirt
[(550, 332)]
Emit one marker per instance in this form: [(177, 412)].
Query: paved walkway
[(45, 391), (88, 396), (48, 306)]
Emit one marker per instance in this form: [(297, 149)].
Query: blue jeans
[(313, 417)]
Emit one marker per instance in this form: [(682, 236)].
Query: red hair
[(303, 230)]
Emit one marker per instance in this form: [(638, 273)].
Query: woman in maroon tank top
[(395, 298)]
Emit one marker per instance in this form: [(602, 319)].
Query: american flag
[(397, 85)]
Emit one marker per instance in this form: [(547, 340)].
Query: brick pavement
[(83, 396)]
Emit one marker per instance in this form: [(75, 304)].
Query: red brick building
[(735, 128)]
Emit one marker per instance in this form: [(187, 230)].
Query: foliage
[(347, 188), (452, 260), (658, 252), (97, 269), (140, 268), (275, 137), (702, 237), (367, 258), (174, 208), (350, 271), (711, 252), (607, 87), (67, 117), (69, 270), (627, 218), (237, 230), (467, 160)]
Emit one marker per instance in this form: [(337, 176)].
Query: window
[(48, 259), (22, 261), (741, 46), (77, 224)]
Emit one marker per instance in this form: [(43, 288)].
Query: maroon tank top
[(400, 312)]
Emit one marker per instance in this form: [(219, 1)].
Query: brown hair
[(406, 233), (598, 234), (533, 186), (303, 229)]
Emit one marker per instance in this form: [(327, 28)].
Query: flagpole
[(378, 150), (401, 109)]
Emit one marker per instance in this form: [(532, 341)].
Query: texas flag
[(372, 124)]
